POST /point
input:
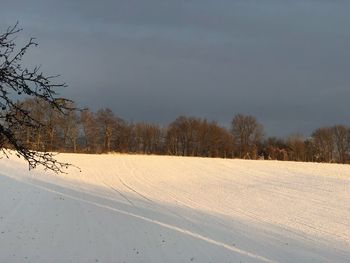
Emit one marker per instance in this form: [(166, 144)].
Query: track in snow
[(130, 208)]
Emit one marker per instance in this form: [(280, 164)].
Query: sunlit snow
[(133, 208)]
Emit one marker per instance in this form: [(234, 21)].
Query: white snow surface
[(134, 208)]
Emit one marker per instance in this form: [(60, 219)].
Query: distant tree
[(275, 149), (247, 133), (121, 135), (89, 130), (183, 136), (323, 144), (16, 83), (149, 138), (43, 137), (190, 136), (58, 131), (180, 136), (296, 148), (213, 140), (105, 122), (310, 150), (67, 130), (341, 136)]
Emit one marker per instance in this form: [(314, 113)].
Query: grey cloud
[(284, 61)]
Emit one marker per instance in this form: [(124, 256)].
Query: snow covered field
[(130, 208)]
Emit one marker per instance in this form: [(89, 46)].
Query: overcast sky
[(287, 62)]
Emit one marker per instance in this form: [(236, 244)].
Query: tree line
[(44, 123), (102, 132)]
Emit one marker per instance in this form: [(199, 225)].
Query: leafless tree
[(341, 135), (247, 133), (16, 83), (148, 138), (212, 140), (323, 143), (274, 149), (296, 148), (190, 136), (68, 130), (105, 122), (89, 129)]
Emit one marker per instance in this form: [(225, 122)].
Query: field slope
[(131, 208)]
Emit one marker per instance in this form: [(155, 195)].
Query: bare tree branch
[(18, 82)]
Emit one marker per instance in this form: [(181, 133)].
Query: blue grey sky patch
[(286, 62)]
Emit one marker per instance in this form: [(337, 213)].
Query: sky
[(286, 62)]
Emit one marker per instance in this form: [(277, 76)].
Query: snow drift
[(130, 208)]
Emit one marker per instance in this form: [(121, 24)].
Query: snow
[(134, 208)]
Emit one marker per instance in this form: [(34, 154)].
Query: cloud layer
[(286, 62)]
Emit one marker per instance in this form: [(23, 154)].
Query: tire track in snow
[(129, 187), (258, 176), (144, 181), (187, 201), (120, 193), (159, 223)]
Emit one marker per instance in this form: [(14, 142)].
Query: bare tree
[(247, 133), (105, 121), (323, 143), (178, 136), (121, 135), (211, 140), (182, 136), (67, 126), (148, 138), (16, 83), (274, 149), (296, 148), (89, 129), (341, 135)]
